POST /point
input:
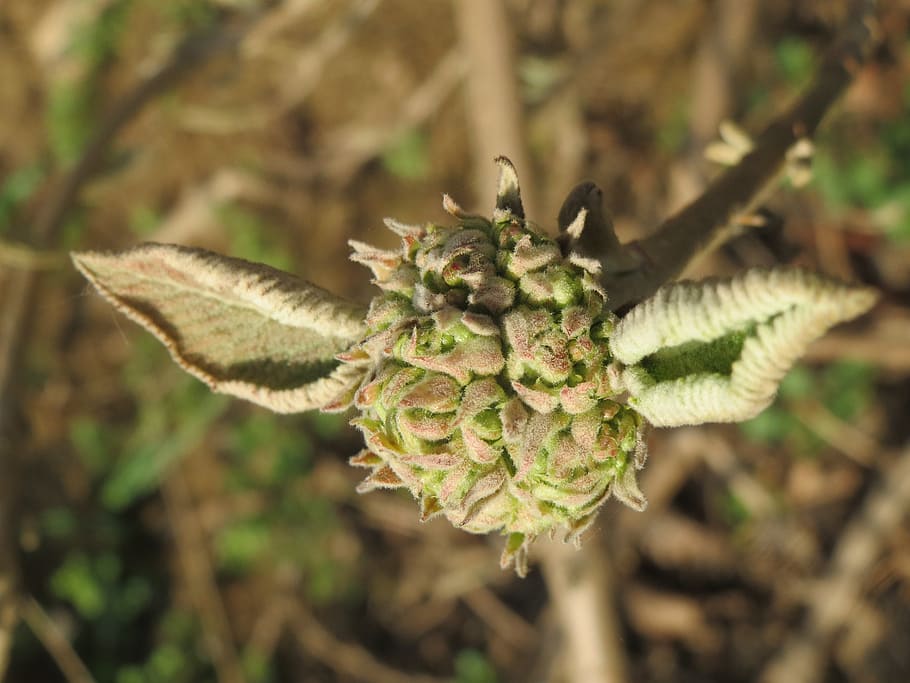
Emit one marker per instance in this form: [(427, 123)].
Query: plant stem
[(580, 583), (699, 226)]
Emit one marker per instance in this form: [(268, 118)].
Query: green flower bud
[(490, 396)]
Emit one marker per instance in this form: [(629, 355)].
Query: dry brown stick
[(349, 148), (9, 572), (580, 583), (878, 348), (500, 618), (15, 255), (492, 97), (347, 659), (17, 289), (840, 590), (192, 549), (304, 68), (696, 228), (46, 631)]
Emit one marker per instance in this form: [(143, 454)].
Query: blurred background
[(155, 532)]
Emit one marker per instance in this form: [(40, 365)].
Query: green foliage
[(144, 221), (471, 666), (294, 526), (72, 104), (77, 583), (257, 667), (250, 238), (733, 509), (93, 442), (408, 157), (189, 14), (174, 657), (540, 75), (874, 175), (795, 60), (845, 388), (673, 131), (58, 523), (15, 189), (166, 431)]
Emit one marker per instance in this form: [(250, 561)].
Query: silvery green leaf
[(242, 328), (716, 351)]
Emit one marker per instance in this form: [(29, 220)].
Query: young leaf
[(716, 351), (242, 328)]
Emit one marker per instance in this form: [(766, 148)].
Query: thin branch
[(199, 576), (700, 225), (15, 255), (348, 659), (9, 567), (492, 97), (55, 642), (580, 583), (500, 618)]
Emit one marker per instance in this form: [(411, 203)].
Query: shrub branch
[(700, 225)]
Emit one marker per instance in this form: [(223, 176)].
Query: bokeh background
[(152, 532)]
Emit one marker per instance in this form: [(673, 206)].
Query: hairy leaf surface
[(242, 328), (716, 351)]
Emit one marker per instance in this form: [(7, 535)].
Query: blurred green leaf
[(77, 583), (69, 118), (239, 545), (673, 132), (93, 442), (167, 662), (770, 426), (328, 426), (734, 510), (256, 667), (847, 388), (58, 522), (408, 157), (539, 75), (72, 102), (144, 221), (250, 238), (167, 431), (15, 189), (471, 666), (795, 60), (798, 383)]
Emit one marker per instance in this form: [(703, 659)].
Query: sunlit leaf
[(242, 328), (716, 351)]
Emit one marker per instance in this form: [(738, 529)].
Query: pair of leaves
[(695, 352)]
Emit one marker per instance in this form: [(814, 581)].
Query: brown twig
[(14, 255), (347, 659), (55, 642), (581, 590), (500, 618), (199, 576), (697, 227), (492, 97)]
